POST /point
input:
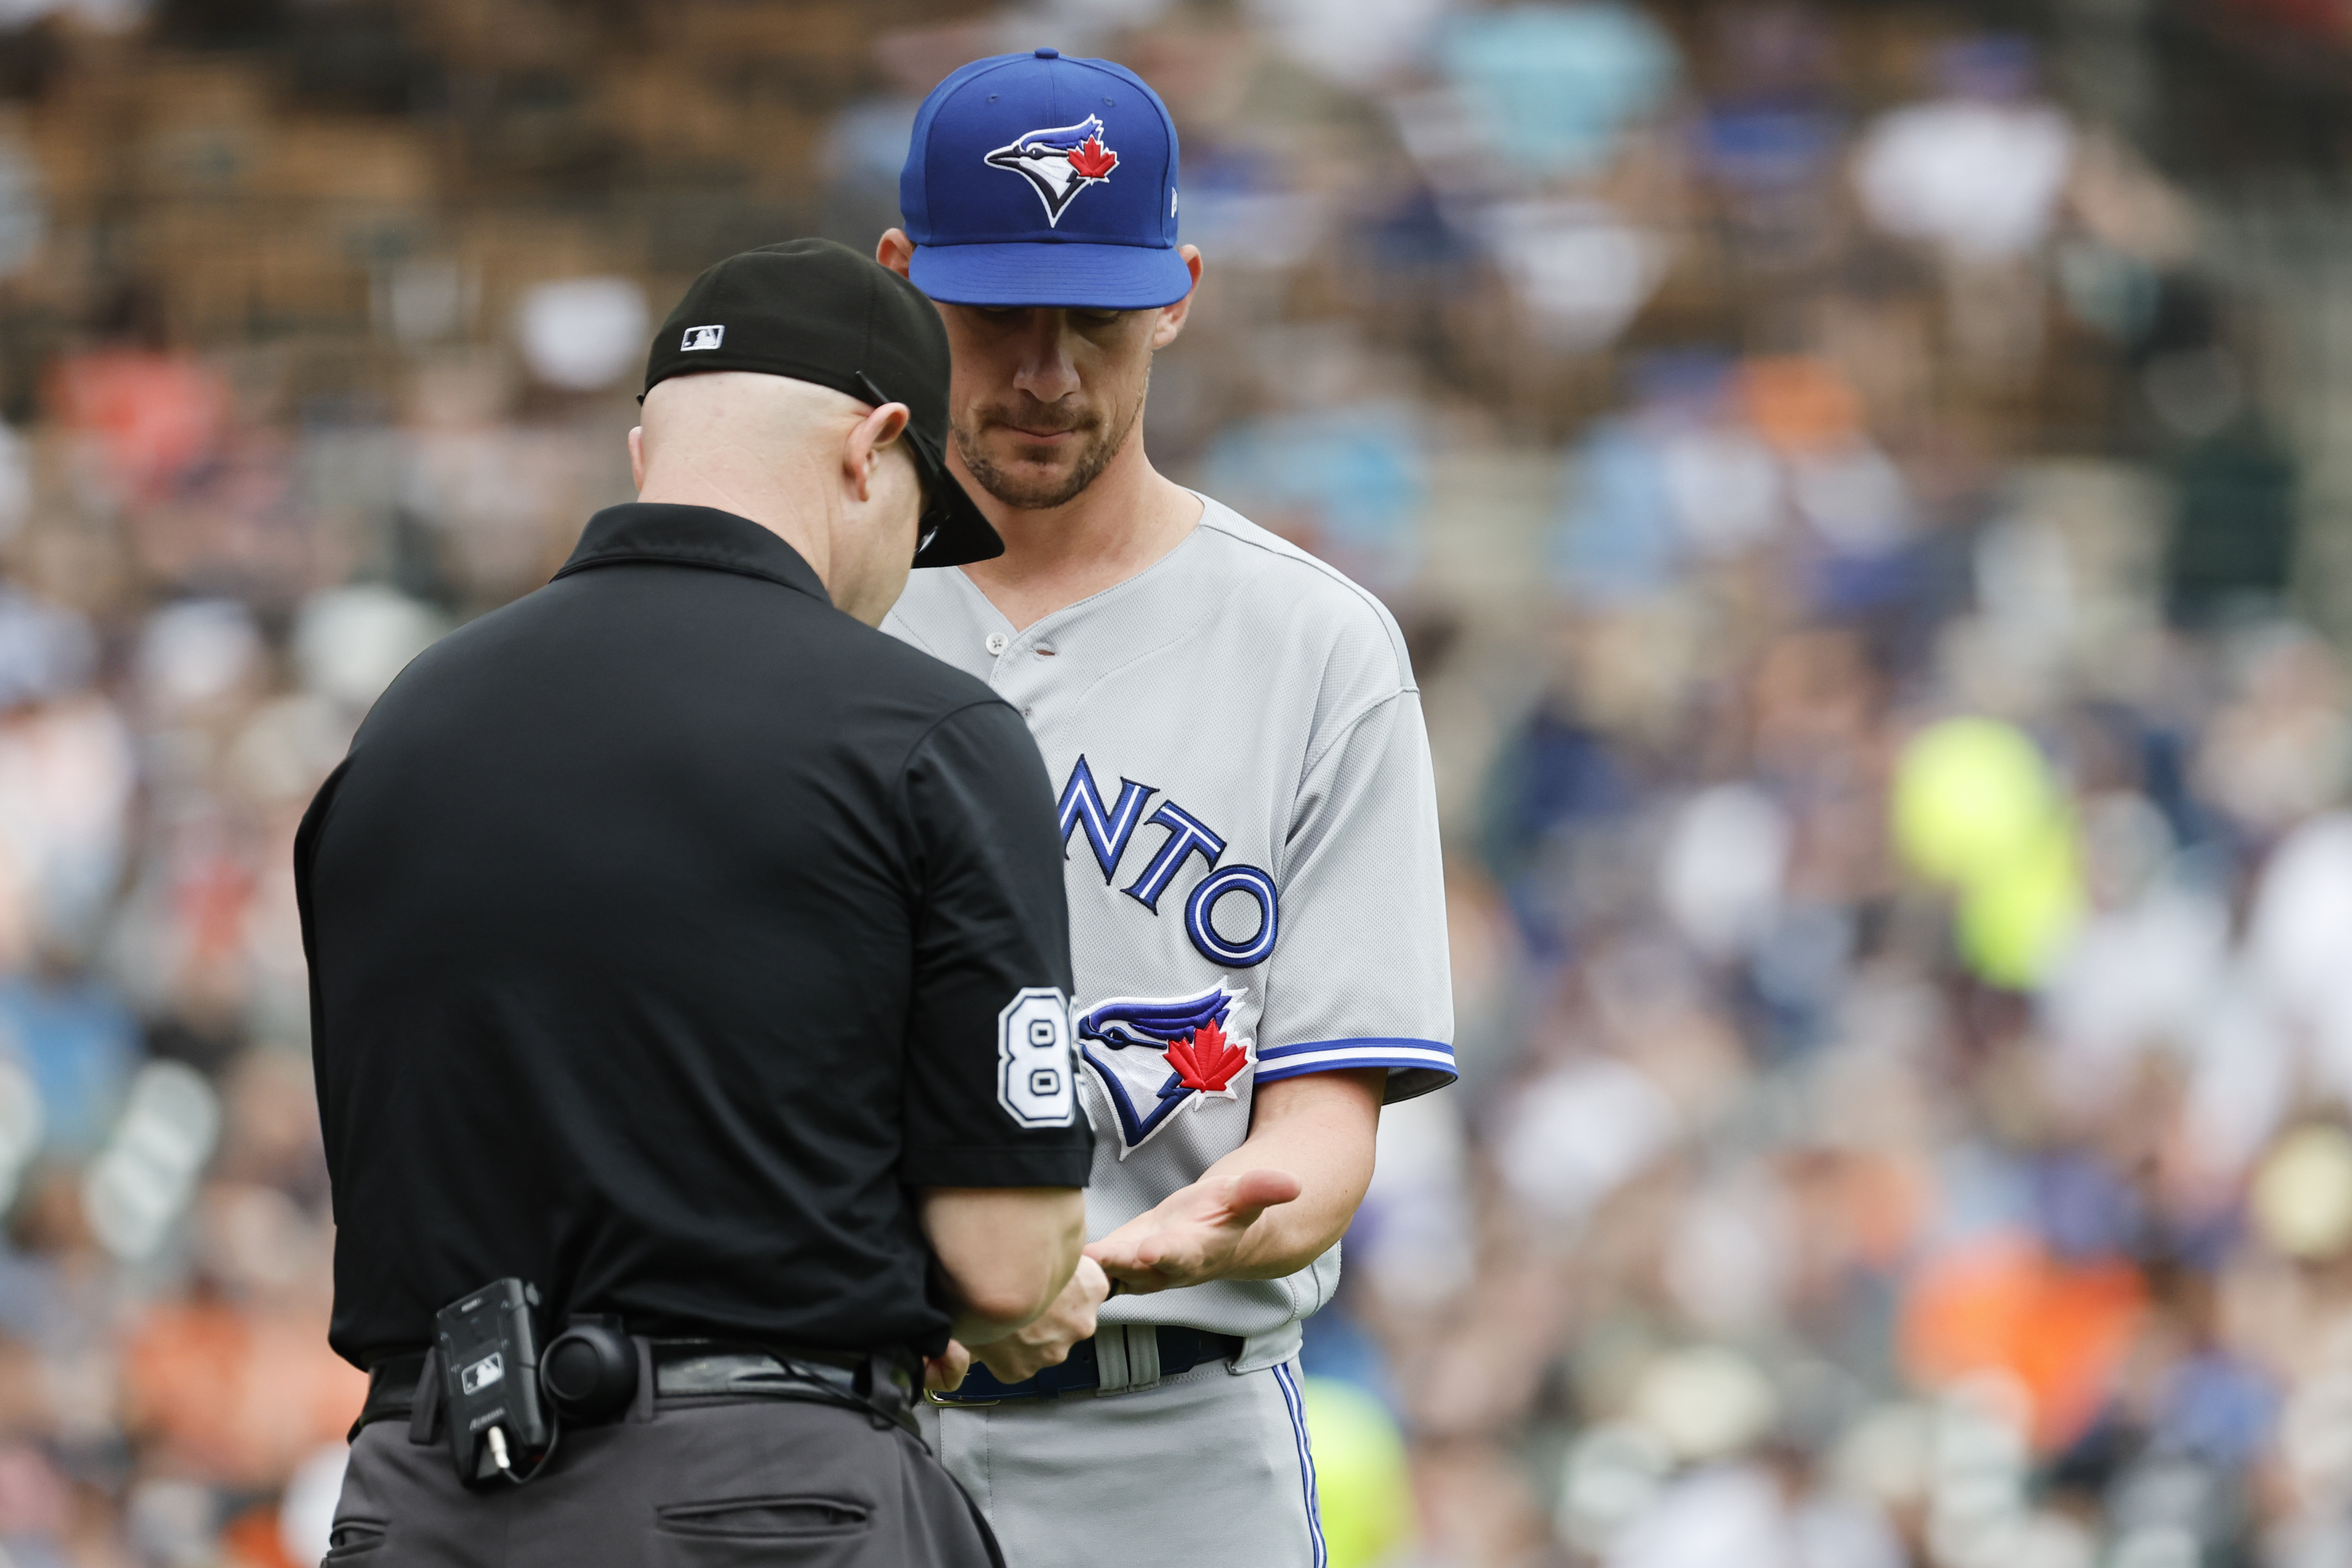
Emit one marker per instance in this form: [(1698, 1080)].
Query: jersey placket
[(1021, 667)]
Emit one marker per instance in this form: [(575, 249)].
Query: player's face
[(1043, 399)]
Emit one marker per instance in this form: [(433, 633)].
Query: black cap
[(816, 311)]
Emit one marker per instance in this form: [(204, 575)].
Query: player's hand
[(1047, 1341), (1194, 1234), (945, 1371)]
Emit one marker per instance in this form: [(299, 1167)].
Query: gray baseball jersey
[(1254, 874)]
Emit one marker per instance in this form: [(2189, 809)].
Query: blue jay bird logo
[(1058, 163), (1186, 1057)]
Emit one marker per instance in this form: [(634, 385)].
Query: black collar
[(691, 536)]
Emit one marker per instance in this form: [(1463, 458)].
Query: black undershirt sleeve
[(990, 1093)]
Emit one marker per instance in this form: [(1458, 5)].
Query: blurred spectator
[(583, 334), (1979, 172), (153, 417), (1552, 86)]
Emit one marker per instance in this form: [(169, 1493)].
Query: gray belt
[(408, 1387)]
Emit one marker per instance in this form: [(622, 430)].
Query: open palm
[(1195, 1233)]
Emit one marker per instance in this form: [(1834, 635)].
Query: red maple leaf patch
[(1205, 1060), (1091, 160)]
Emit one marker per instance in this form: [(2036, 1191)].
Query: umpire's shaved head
[(836, 477)]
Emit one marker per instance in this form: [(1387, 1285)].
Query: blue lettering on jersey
[(1185, 835), (1081, 805), (1253, 884), (1185, 1057), (1108, 830)]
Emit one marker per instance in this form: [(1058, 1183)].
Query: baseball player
[(1250, 832)]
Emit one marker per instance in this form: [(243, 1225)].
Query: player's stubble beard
[(1045, 494)]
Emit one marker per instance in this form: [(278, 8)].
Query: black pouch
[(490, 1383)]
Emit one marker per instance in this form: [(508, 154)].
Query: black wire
[(555, 1437)]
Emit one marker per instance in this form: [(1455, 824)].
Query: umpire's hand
[(1048, 1340), (945, 1371)]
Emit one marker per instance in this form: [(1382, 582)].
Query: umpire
[(689, 975)]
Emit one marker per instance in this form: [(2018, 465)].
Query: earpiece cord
[(555, 1437)]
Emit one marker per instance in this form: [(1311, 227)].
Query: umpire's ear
[(861, 450), (1171, 317)]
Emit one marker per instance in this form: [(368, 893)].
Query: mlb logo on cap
[(702, 338), (1036, 180)]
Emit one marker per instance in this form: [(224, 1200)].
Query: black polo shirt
[(666, 926)]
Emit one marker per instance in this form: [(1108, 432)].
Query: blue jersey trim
[(1294, 1399), (1313, 1065), (1397, 1054), (1422, 1048), (1378, 1051)]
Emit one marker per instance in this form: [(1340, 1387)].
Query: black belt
[(1118, 1359), (689, 1369)]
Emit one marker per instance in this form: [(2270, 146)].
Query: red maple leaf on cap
[(1091, 160), (1205, 1061)]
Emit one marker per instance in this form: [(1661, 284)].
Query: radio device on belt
[(490, 1383), (503, 1402)]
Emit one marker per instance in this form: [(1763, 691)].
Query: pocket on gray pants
[(735, 1532), (352, 1540)]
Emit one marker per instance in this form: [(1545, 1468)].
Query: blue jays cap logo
[(1058, 163), (1185, 1056)]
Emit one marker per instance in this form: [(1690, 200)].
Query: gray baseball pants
[(1209, 1469), (685, 1484)]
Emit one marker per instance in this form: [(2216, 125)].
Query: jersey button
[(996, 642)]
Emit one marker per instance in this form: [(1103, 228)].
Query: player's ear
[(896, 251), (1172, 317)]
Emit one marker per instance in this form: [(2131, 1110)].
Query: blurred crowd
[(1857, 483)]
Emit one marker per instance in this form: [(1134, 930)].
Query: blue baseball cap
[(1037, 180)]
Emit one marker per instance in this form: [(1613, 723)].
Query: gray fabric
[(1241, 685), (685, 1484), (1210, 1469)]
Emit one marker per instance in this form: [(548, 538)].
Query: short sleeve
[(991, 1088), (1360, 974)]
